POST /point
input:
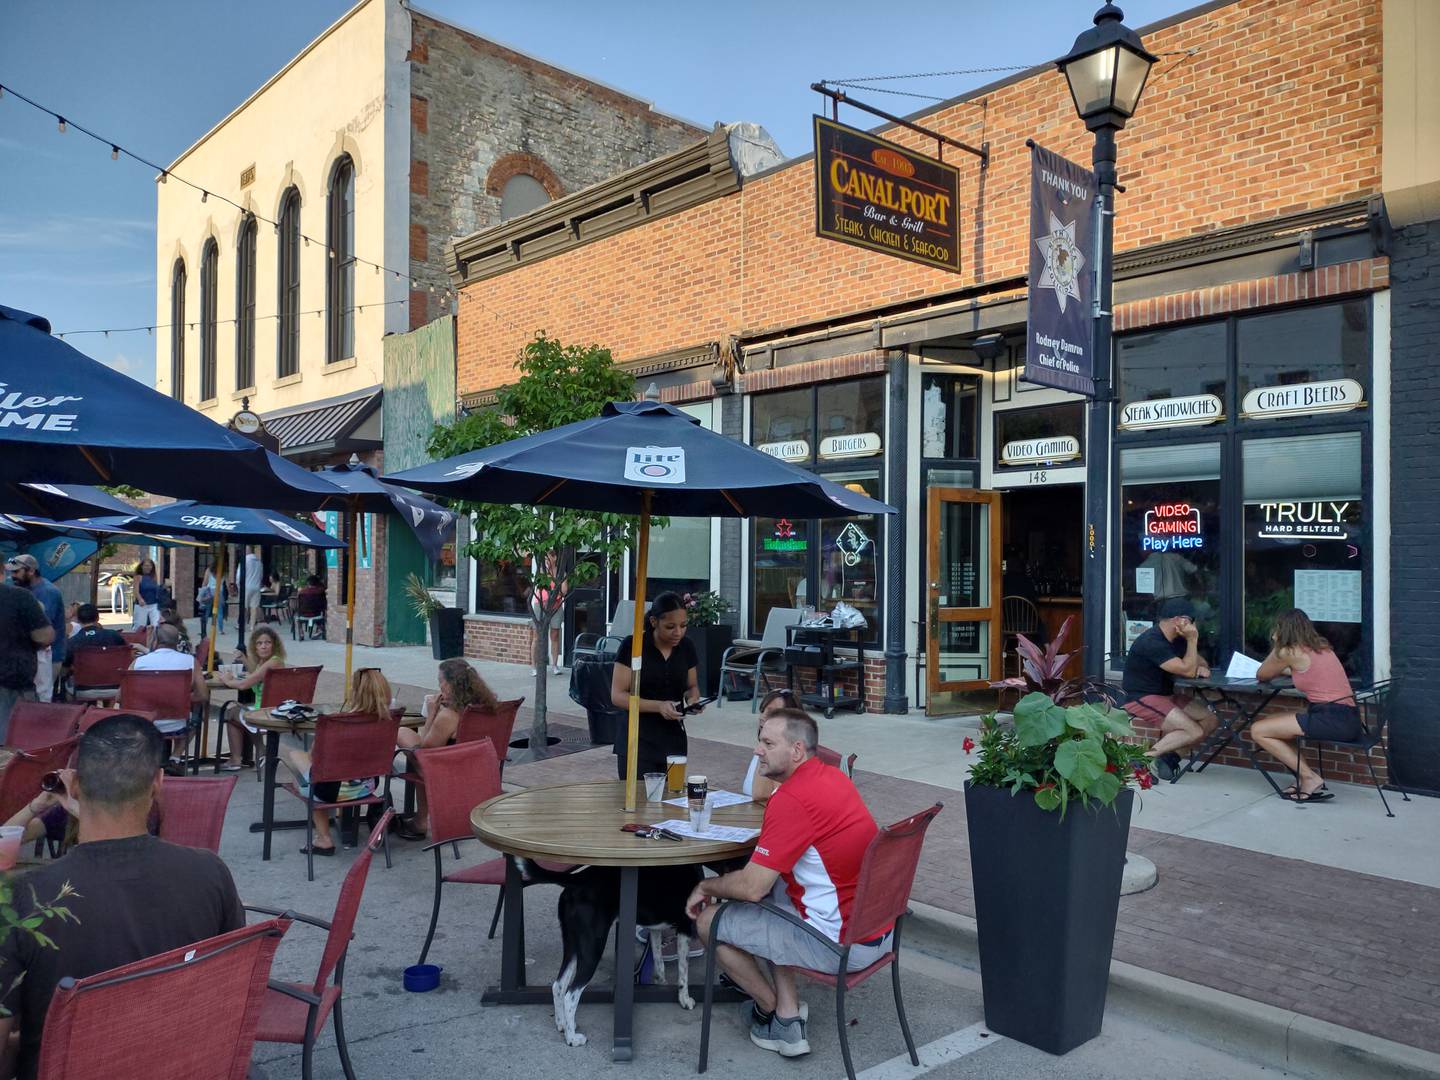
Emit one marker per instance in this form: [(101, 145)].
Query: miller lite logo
[(655, 464)]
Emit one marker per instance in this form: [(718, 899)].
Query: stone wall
[(481, 113)]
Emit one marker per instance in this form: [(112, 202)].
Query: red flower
[(1043, 787), (968, 744), (1110, 767), (1144, 777)]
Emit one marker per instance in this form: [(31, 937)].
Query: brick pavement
[(1353, 949)]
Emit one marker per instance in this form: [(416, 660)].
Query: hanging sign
[(1172, 412), (860, 444), (1059, 347), (791, 450), (878, 195), (1302, 399), (1035, 451)]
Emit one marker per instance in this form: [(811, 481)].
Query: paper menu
[(1242, 667), (725, 833), (717, 800)]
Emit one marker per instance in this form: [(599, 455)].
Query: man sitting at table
[(166, 656), (131, 895), (807, 859), (1161, 654)]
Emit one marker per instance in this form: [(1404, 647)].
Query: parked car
[(115, 592)]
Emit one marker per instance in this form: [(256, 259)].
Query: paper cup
[(654, 786), (10, 837)]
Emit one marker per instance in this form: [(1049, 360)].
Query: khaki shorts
[(765, 935)]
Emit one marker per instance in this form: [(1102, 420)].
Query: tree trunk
[(539, 733), (95, 576)]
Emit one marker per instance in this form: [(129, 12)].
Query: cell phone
[(693, 707)]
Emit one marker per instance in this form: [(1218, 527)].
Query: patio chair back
[(122, 1023), (349, 746), (192, 810), (347, 905), (94, 715), (20, 779), (139, 636), (494, 724), (99, 666), (457, 779), (828, 756), (289, 684), (1374, 704), (309, 605), (622, 623), (776, 623), (34, 724), (165, 693), (887, 873)]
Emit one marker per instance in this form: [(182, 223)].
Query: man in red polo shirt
[(807, 860)]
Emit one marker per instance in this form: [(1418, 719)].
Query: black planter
[(447, 633), (710, 645), (1047, 892)]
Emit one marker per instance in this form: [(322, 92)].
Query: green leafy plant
[(705, 608), (421, 602), (1043, 670), (40, 913), (558, 384), (1060, 753)]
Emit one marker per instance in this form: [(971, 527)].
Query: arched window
[(340, 282), (521, 194), (287, 353), (209, 271), (245, 305), (177, 331)]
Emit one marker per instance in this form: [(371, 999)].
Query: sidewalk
[(1327, 910)]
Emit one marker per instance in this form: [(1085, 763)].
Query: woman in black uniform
[(667, 676)]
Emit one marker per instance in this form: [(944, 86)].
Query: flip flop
[(1318, 795), (311, 849)]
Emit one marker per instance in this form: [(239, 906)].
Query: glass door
[(963, 564)]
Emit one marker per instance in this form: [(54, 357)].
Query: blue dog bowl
[(422, 977)]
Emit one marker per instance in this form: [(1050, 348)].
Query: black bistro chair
[(1375, 704)]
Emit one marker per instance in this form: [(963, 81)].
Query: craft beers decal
[(1059, 351), (877, 195), (38, 412), (1172, 527), (655, 464)]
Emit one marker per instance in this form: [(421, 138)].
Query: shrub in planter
[(1048, 805)]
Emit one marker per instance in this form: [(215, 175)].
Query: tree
[(557, 385)]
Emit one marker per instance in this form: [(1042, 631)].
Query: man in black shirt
[(24, 628), (134, 894), (91, 634), (1166, 650)]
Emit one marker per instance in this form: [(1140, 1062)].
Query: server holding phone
[(668, 685)]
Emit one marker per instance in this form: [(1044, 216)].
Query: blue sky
[(77, 236)]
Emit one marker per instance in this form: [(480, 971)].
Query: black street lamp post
[(1106, 69)]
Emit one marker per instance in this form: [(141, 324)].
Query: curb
[(1262, 1033)]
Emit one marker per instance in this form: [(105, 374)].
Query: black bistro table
[(1240, 701)]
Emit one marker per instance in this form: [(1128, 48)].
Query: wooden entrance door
[(963, 590)]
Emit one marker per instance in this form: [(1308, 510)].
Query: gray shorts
[(765, 935)]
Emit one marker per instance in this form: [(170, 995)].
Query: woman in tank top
[(1331, 713)]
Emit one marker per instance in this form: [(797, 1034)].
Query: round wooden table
[(581, 823)]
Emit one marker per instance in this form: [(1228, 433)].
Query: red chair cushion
[(852, 978), (485, 873), (283, 1018)]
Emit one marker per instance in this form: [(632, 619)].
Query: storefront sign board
[(858, 444), (1189, 411), (1059, 348), (876, 194), (1303, 399), (792, 450), (1035, 451)]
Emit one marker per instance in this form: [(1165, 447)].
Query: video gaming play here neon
[(1171, 527)]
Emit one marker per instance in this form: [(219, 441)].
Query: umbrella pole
[(350, 599), (632, 737), (218, 568)]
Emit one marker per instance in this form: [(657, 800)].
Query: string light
[(114, 152), (204, 196), (62, 124)]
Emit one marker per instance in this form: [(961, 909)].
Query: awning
[(339, 425)]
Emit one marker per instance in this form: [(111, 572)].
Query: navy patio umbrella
[(639, 457), (68, 419), (57, 501), (366, 493)]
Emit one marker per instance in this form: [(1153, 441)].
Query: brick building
[(1266, 173), (353, 166)]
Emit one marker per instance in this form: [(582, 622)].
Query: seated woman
[(369, 693), (1331, 713), (758, 787), (170, 616), (266, 652), (460, 687)]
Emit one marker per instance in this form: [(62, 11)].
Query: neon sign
[(1171, 527)]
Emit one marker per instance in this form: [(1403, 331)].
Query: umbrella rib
[(551, 491), (733, 504), (94, 463)]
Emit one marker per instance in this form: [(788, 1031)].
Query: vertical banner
[(1059, 349), (365, 542), (332, 528)]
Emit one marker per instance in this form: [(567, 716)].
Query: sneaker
[(785, 1037), (1162, 768), (747, 1007)]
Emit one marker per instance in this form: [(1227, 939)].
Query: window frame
[(209, 314), (287, 278), (340, 262), (245, 267), (177, 330)]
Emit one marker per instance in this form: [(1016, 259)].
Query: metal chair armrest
[(290, 991), (792, 917), (452, 840), (280, 913)]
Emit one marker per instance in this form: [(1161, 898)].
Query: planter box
[(710, 645), (1047, 892), (447, 633)]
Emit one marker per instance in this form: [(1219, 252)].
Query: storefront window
[(850, 417), (849, 557), (1304, 541), (1170, 537), (500, 587), (1304, 345), (1182, 362), (781, 563), (781, 424), (948, 408), (1024, 436)]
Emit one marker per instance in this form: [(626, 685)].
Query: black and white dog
[(589, 906)]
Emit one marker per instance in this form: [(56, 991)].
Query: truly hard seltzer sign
[(1059, 351), (881, 196)]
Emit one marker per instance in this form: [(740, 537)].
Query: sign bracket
[(839, 97)]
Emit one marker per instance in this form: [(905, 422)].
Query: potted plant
[(711, 637), (1048, 803), (447, 625)]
